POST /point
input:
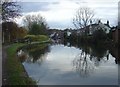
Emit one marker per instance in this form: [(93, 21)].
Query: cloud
[(34, 6), (60, 24), (59, 13)]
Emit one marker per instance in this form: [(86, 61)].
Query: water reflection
[(70, 64), (22, 55), (33, 54), (83, 65), (39, 54), (97, 53), (89, 58), (86, 63), (116, 53)]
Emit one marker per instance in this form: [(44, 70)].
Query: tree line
[(33, 24), (37, 25)]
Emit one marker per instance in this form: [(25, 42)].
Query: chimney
[(99, 21), (90, 21), (107, 22)]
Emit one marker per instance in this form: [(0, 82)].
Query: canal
[(65, 64)]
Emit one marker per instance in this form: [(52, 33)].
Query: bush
[(99, 36), (37, 29)]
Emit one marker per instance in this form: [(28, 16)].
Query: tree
[(15, 32), (83, 17), (0, 12), (36, 24), (22, 32), (10, 10), (31, 19), (35, 29)]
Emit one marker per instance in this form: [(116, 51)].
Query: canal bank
[(13, 71), (59, 61)]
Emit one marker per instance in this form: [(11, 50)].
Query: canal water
[(59, 64)]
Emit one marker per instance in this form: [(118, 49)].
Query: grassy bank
[(15, 70), (38, 38)]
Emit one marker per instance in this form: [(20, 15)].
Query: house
[(116, 35), (105, 27), (69, 32), (93, 27), (56, 34)]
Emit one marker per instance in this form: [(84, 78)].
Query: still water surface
[(69, 65)]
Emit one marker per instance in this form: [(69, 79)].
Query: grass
[(15, 70), (38, 38), (42, 38)]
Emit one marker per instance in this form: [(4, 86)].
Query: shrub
[(99, 36)]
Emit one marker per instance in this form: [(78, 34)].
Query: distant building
[(93, 27), (116, 35), (68, 33), (100, 25), (56, 34)]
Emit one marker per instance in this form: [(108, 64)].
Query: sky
[(59, 13)]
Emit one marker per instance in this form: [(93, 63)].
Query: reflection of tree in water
[(37, 55), (90, 58), (83, 65), (98, 54), (95, 51)]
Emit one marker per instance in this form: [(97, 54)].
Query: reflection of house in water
[(115, 53)]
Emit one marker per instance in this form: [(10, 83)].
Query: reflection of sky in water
[(57, 68)]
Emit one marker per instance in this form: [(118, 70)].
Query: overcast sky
[(59, 13)]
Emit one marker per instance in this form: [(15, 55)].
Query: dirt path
[(0, 65), (4, 70)]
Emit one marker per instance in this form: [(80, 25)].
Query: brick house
[(116, 35)]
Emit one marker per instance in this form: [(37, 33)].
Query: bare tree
[(83, 17), (10, 10)]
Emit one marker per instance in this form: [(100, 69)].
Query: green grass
[(42, 38), (39, 38), (15, 70)]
